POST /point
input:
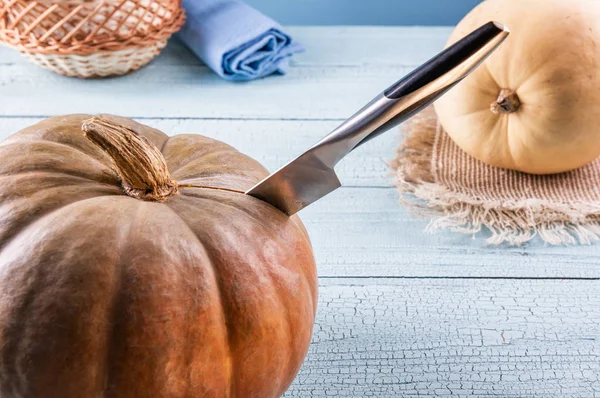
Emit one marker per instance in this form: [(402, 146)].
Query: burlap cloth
[(459, 192)]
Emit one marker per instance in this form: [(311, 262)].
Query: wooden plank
[(335, 46), (366, 232), (357, 63), (503, 338), (366, 45), (194, 91), (273, 143)]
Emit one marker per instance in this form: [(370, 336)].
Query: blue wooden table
[(401, 312)]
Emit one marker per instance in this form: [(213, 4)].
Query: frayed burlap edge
[(511, 222)]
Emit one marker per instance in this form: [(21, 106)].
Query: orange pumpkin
[(129, 271)]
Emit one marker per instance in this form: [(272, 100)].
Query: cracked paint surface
[(462, 337)]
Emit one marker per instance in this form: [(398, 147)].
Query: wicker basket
[(89, 38)]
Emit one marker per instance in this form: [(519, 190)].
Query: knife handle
[(445, 61), (450, 63)]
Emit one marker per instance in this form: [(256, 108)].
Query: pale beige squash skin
[(209, 293), (552, 61)]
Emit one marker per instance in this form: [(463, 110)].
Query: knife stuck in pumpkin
[(311, 176)]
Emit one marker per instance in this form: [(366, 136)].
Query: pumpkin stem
[(139, 163), (507, 102)]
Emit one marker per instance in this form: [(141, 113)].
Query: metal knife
[(311, 175)]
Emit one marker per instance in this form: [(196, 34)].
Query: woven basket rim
[(99, 64), (129, 46)]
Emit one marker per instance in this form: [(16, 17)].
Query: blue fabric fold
[(235, 40)]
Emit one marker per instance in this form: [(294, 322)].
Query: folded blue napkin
[(235, 40)]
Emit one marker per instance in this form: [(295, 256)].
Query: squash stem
[(139, 163), (507, 102)]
